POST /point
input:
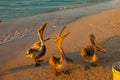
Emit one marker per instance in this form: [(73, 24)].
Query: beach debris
[(38, 49), (1, 20), (116, 66), (89, 52), (118, 4), (59, 63), (116, 71), (54, 26)]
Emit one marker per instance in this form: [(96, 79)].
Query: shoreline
[(25, 26)]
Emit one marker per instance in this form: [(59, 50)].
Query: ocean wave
[(8, 37), (29, 23), (13, 6), (30, 7), (80, 4), (77, 5)]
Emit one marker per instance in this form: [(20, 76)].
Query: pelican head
[(96, 43), (92, 38), (30, 52)]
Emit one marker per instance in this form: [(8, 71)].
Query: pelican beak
[(27, 53), (59, 38), (92, 38), (41, 30), (103, 50), (61, 31), (99, 47), (96, 43)]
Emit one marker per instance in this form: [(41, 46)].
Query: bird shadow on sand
[(22, 68), (77, 60), (75, 56)]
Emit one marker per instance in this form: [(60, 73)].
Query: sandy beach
[(105, 25)]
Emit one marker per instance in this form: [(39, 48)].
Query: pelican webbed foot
[(57, 73), (38, 62), (87, 67), (93, 65)]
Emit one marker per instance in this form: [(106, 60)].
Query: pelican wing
[(41, 31)]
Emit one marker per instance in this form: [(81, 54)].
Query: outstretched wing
[(41, 31)]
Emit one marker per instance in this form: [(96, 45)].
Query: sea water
[(21, 8), (23, 17)]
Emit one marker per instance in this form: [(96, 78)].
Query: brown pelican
[(38, 49), (59, 63), (89, 53)]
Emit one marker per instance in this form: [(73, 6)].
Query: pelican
[(59, 63), (38, 49), (89, 52)]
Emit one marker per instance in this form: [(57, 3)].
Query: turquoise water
[(19, 8), (23, 17)]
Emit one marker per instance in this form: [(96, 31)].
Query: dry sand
[(105, 26)]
